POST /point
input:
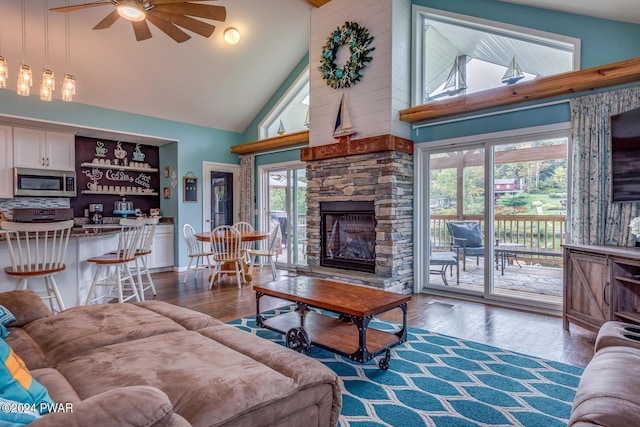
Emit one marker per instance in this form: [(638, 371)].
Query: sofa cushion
[(26, 348), (207, 382), (80, 329), (58, 387), (121, 407), (25, 305), (189, 319), (16, 382), (306, 372), (608, 391)]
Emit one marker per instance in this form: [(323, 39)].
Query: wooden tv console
[(601, 283)]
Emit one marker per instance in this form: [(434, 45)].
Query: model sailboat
[(513, 74), (343, 130)]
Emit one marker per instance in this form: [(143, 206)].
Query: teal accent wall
[(194, 145), (279, 157)]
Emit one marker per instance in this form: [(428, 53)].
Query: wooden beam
[(373, 144), (318, 3), (275, 143), (618, 73)]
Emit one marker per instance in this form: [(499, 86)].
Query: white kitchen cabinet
[(6, 162), (42, 149), (162, 248)]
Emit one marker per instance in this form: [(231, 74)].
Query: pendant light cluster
[(48, 81)]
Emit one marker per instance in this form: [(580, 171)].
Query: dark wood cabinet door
[(587, 290)]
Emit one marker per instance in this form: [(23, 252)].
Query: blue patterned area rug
[(438, 380)]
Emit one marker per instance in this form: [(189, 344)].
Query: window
[(457, 55), (291, 112)]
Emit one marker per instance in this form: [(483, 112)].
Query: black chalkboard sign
[(190, 189)]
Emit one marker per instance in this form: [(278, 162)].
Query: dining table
[(245, 236)]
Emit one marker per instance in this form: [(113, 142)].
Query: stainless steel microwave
[(44, 183)]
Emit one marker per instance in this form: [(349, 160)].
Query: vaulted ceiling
[(202, 81)]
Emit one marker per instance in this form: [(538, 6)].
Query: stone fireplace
[(366, 185)]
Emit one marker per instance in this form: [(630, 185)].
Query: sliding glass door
[(496, 218), (282, 202)]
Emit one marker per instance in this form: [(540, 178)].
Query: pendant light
[(4, 72), (48, 82), (69, 81), (24, 73)]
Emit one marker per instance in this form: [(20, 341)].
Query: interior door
[(220, 195)]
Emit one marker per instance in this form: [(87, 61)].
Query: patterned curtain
[(247, 188), (595, 220)]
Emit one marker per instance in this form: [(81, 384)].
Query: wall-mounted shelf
[(118, 167), (121, 193)]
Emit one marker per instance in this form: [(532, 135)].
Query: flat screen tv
[(625, 156)]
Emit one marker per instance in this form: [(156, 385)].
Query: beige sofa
[(609, 390), (156, 364)]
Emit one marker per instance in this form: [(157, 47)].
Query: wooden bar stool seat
[(38, 250)]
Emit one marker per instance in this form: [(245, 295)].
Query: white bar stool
[(119, 260), (37, 250)]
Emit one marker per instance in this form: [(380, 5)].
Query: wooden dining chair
[(38, 250), (195, 250), (242, 227), (270, 253), (227, 257)]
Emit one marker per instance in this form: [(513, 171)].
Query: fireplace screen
[(348, 235)]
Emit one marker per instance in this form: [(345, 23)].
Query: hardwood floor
[(530, 333)]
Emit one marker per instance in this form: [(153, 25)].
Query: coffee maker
[(95, 213)]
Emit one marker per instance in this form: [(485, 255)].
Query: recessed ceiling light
[(231, 35)]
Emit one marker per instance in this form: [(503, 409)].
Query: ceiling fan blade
[(217, 13), (198, 27), (141, 30), (79, 6), (168, 28), (108, 20), (172, 1)]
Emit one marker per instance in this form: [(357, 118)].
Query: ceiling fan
[(167, 15)]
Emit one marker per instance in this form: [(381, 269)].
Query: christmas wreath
[(358, 40)]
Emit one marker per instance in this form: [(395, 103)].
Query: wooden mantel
[(372, 144), (574, 82)]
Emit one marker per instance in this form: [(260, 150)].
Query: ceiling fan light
[(131, 10), (231, 35)]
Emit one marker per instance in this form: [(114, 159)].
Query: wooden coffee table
[(347, 334)]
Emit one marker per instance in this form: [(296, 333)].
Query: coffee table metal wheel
[(298, 339), (384, 362)]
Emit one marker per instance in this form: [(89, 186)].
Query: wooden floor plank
[(520, 331)]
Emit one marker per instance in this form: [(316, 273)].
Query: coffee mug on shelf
[(93, 186)]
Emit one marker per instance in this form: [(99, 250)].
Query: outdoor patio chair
[(466, 239), (439, 261)]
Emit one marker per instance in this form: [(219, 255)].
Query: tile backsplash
[(7, 206)]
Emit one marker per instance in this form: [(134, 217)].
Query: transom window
[(457, 55), (291, 112)]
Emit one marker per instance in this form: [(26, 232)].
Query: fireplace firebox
[(348, 235)]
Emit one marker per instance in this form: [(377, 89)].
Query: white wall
[(375, 100)]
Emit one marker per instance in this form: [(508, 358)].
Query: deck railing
[(539, 233)]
